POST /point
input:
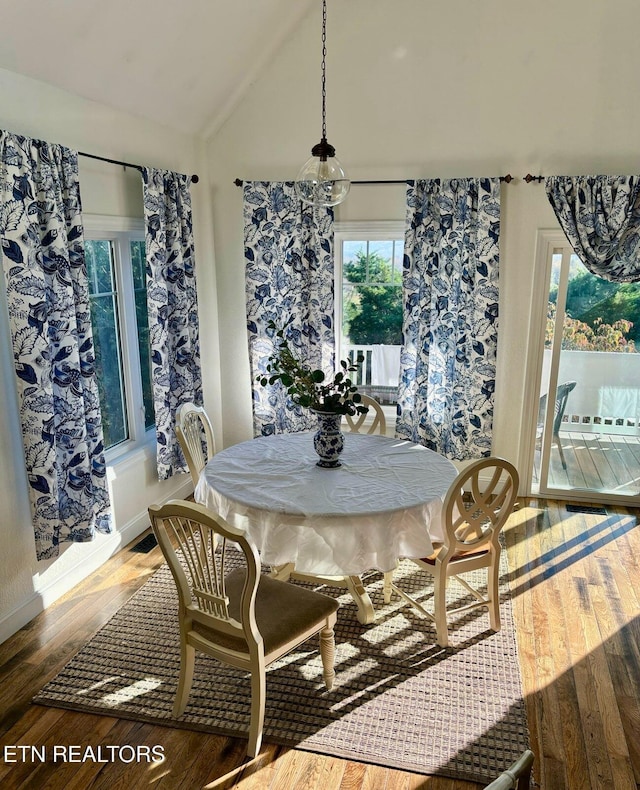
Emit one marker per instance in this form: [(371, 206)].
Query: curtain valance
[(600, 216)]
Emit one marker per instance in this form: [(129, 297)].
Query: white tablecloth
[(383, 503)]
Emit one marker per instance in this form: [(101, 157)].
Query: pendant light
[(322, 180)]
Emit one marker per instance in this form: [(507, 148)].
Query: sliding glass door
[(588, 427)]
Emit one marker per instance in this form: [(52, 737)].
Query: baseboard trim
[(99, 551)]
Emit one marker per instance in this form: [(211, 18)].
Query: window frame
[(361, 230), (121, 231), (365, 230)]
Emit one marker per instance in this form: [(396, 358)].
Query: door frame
[(547, 241)]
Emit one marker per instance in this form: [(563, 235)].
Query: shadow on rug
[(399, 700)]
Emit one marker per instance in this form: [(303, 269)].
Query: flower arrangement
[(309, 388)]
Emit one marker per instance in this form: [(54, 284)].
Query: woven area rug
[(399, 700)]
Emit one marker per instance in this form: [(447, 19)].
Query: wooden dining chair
[(195, 435), (472, 524), (241, 617), (359, 423), (517, 777)]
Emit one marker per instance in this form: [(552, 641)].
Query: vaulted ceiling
[(182, 63)]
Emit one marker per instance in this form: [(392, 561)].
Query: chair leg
[(493, 572), (258, 699), (560, 450), (328, 655), (282, 572), (387, 587), (440, 608), (187, 664)]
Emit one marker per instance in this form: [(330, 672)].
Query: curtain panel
[(600, 216), (289, 279), (450, 321), (173, 308), (49, 313)]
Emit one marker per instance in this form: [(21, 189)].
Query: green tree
[(623, 303), (579, 336), (600, 315), (585, 291), (373, 305)]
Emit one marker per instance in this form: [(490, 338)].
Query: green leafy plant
[(310, 388), (372, 301)]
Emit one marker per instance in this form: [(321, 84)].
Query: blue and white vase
[(328, 440)]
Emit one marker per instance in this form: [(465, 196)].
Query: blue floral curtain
[(450, 323), (173, 308), (289, 279), (48, 301), (600, 216)]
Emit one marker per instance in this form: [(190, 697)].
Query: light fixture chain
[(322, 181), (324, 69)]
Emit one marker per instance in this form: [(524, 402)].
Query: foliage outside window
[(372, 292), (142, 323), (118, 297), (106, 340), (599, 315), (369, 304)]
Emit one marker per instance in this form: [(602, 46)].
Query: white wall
[(426, 89), (36, 110)]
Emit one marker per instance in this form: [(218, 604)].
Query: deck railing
[(378, 371), (605, 400)]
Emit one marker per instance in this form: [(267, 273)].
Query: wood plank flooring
[(576, 596)]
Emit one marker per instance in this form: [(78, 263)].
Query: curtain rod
[(194, 178), (507, 179)]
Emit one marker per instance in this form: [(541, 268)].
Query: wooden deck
[(597, 462)]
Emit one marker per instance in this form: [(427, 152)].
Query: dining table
[(383, 503)]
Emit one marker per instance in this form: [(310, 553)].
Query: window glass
[(142, 322), (371, 307), (116, 268), (106, 337)]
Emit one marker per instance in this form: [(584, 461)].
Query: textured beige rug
[(399, 700)]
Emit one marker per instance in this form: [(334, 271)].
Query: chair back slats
[(213, 604), (196, 552), (356, 423), (204, 565), (476, 518), (195, 435), (562, 395)]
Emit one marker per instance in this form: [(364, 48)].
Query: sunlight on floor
[(128, 693), (576, 553)]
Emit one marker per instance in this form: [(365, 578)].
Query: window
[(115, 258), (369, 303)]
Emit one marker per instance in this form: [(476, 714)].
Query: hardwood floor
[(576, 593)]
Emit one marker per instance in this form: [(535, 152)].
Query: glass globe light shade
[(322, 181)]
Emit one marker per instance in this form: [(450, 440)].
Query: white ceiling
[(181, 63)]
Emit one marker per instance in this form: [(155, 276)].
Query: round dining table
[(383, 503)]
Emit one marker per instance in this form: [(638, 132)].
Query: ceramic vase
[(328, 440)]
